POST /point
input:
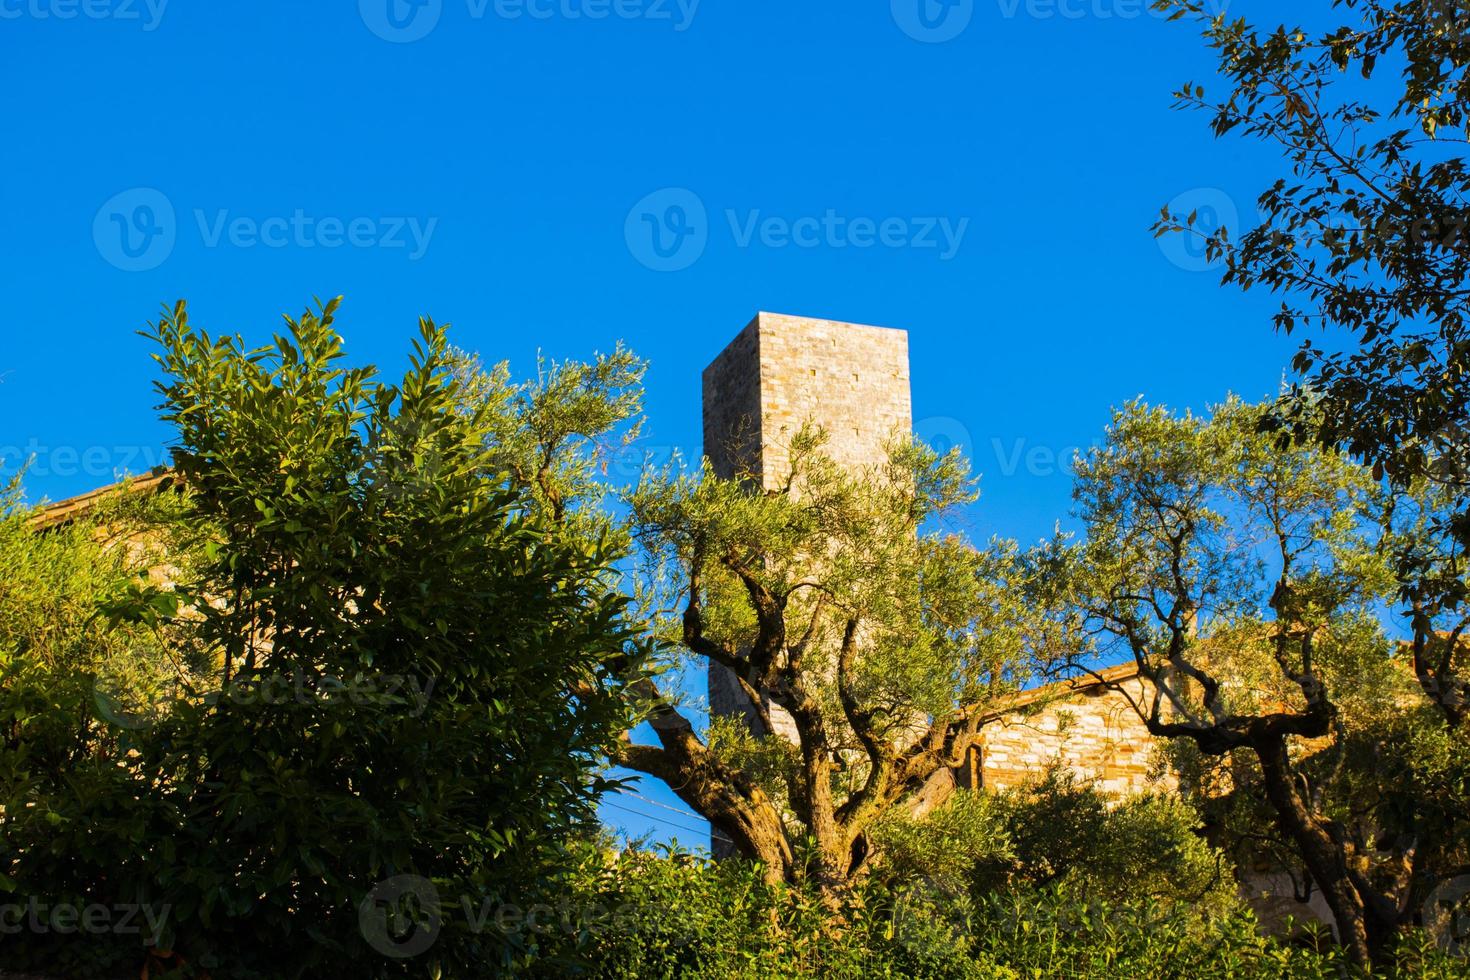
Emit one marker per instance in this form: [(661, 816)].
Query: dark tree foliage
[(411, 677), (1368, 235)]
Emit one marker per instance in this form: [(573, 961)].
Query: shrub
[(643, 915), (411, 683), (646, 915), (1056, 932)]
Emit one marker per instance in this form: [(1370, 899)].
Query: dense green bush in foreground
[(1050, 880), (646, 916), (382, 671)]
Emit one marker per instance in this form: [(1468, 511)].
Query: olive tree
[(1252, 585), (873, 646)]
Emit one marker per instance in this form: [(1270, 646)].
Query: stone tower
[(782, 371), (779, 373)]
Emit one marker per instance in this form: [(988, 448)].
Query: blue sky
[(983, 175)]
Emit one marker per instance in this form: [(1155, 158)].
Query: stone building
[(781, 372)]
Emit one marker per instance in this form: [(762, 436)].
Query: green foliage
[(1058, 933), (1366, 231), (646, 916), (939, 852), (1061, 832), (411, 673), (1252, 583), (71, 682), (924, 598), (642, 915), (1140, 848), (557, 434), (836, 600)]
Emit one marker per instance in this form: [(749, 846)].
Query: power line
[(674, 809), (667, 822), (649, 816), (671, 809)]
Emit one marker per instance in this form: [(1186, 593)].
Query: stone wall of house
[(1087, 728)]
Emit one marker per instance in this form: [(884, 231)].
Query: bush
[(1055, 932), (411, 681), (1061, 831), (73, 687), (642, 915)]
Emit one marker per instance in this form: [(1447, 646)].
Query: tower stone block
[(783, 371), (778, 374)]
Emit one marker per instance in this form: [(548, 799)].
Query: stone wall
[(783, 371), (779, 373), (1087, 727)]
